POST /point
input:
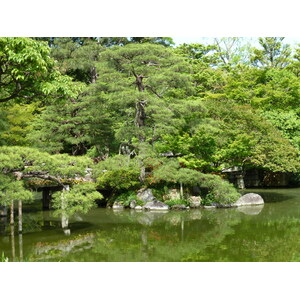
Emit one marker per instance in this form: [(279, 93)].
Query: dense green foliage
[(117, 173), (28, 71), (171, 172), (80, 199), (137, 111)]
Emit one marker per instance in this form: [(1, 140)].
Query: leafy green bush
[(80, 199), (140, 202), (159, 192), (171, 172), (208, 199), (219, 190), (173, 202), (117, 173), (127, 197)]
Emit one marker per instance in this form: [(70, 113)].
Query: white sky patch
[(293, 41)]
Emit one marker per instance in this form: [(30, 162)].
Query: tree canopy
[(133, 110), (28, 71)]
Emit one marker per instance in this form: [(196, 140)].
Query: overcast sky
[(207, 40)]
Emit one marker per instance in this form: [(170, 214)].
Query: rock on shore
[(195, 201), (145, 195), (156, 205), (117, 205), (249, 199)]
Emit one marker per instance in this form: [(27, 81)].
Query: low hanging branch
[(20, 175)]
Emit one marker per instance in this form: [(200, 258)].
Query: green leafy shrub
[(11, 190), (173, 202), (140, 202), (80, 199), (159, 192), (127, 197), (208, 199), (171, 172), (117, 173)]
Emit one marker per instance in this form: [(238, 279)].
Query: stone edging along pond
[(195, 202)]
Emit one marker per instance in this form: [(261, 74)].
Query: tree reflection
[(145, 236), (248, 234)]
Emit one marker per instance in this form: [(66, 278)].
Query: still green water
[(262, 233)]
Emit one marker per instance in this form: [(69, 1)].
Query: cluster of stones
[(150, 202)]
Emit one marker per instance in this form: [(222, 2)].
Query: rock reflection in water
[(148, 218), (251, 210)]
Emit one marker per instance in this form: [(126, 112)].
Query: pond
[(260, 233)]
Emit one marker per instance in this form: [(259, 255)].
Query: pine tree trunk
[(12, 219), (140, 118), (93, 73), (181, 190), (142, 173), (64, 216)]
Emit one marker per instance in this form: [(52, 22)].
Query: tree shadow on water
[(272, 196)]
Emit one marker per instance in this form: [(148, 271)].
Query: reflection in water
[(148, 218), (144, 239), (20, 216), (63, 247), (67, 231), (20, 230), (182, 229), (251, 210), (140, 236), (21, 247), (3, 225), (269, 232)]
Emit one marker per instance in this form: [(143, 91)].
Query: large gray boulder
[(195, 201), (132, 204), (249, 199), (156, 205), (174, 194), (178, 207), (117, 205), (209, 206), (145, 195), (224, 205)]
